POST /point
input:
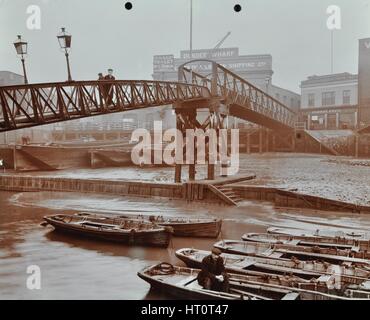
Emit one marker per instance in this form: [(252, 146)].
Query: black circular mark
[(238, 8), (128, 5)]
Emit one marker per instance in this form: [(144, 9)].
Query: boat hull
[(309, 240), (279, 251), (155, 238), (256, 266), (263, 287), (182, 227), (176, 292), (195, 230), (180, 291)]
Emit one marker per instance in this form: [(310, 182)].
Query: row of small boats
[(275, 266), (154, 231), (181, 282)]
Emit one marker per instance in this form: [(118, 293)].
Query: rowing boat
[(359, 236), (182, 226), (285, 251), (309, 241), (182, 283), (338, 275), (130, 232), (357, 294)]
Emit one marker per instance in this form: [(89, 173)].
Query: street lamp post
[(21, 47), (65, 41)]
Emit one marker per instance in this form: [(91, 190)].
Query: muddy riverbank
[(317, 175)]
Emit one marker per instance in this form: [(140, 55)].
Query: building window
[(311, 100), (346, 97), (328, 99)]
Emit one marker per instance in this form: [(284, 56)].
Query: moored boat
[(182, 226), (354, 235), (285, 251), (130, 232), (309, 241), (182, 283), (338, 275), (357, 294), (188, 227)]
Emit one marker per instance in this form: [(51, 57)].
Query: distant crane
[(219, 45)]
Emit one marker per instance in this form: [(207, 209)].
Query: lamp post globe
[(65, 42), (21, 47)]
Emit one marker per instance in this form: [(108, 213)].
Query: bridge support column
[(261, 140), (248, 143), (187, 120), (178, 168), (211, 172), (192, 172), (294, 141)]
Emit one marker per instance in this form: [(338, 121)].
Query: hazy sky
[(106, 35)]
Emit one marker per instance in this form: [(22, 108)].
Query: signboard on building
[(255, 68), (210, 53), (364, 82), (239, 64), (164, 63)]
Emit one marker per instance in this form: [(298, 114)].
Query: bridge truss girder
[(34, 105)]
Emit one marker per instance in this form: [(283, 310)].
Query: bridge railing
[(239, 91), (235, 90), (30, 105)]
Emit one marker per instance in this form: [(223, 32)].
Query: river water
[(73, 268)]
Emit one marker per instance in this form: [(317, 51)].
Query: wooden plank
[(294, 242), (245, 263), (291, 296)]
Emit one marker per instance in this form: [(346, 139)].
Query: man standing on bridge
[(213, 275), (108, 88), (110, 76)]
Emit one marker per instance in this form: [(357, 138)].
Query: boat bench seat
[(272, 254), (97, 224), (293, 242), (324, 278), (291, 296), (245, 263)]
